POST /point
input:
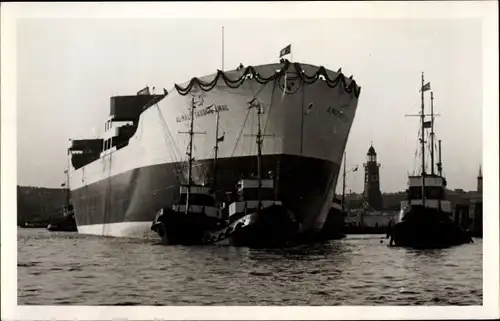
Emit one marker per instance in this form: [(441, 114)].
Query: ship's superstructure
[(120, 180)]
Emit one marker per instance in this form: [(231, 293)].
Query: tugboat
[(187, 221), (425, 219), (253, 218), (256, 217), (196, 211), (67, 222)]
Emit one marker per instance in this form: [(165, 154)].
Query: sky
[(68, 68)]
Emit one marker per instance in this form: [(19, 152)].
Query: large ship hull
[(308, 125)]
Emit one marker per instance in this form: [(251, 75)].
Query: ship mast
[(432, 133), (422, 141)]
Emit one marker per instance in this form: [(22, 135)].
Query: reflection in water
[(67, 268)]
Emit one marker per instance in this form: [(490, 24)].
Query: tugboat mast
[(260, 139), (440, 164), (432, 133), (190, 155), (259, 157), (216, 149), (68, 195), (422, 142)]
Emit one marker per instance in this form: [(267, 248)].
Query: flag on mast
[(426, 87), (427, 124), (285, 51)]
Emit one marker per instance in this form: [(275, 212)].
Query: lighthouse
[(371, 193)]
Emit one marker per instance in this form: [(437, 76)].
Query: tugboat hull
[(179, 228), (64, 224), (427, 228), (272, 227), (429, 236)]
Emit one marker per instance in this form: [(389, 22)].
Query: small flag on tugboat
[(63, 184), (426, 87), (285, 51), (427, 124), (220, 139)]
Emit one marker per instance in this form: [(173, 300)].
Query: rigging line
[(240, 133), (175, 150), (165, 128), (417, 152), (167, 137), (175, 158), (270, 105), (246, 118), (171, 140)]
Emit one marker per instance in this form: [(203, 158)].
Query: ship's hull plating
[(307, 128), (139, 193)]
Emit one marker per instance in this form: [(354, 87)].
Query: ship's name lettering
[(212, 109), (336, 112)]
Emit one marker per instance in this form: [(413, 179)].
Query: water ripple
[(67, 268)]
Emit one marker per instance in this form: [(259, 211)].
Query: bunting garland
[(251, 73)]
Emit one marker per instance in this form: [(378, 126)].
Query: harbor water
[(57, 268)]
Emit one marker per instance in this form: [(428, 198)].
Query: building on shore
[(469, 210)]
